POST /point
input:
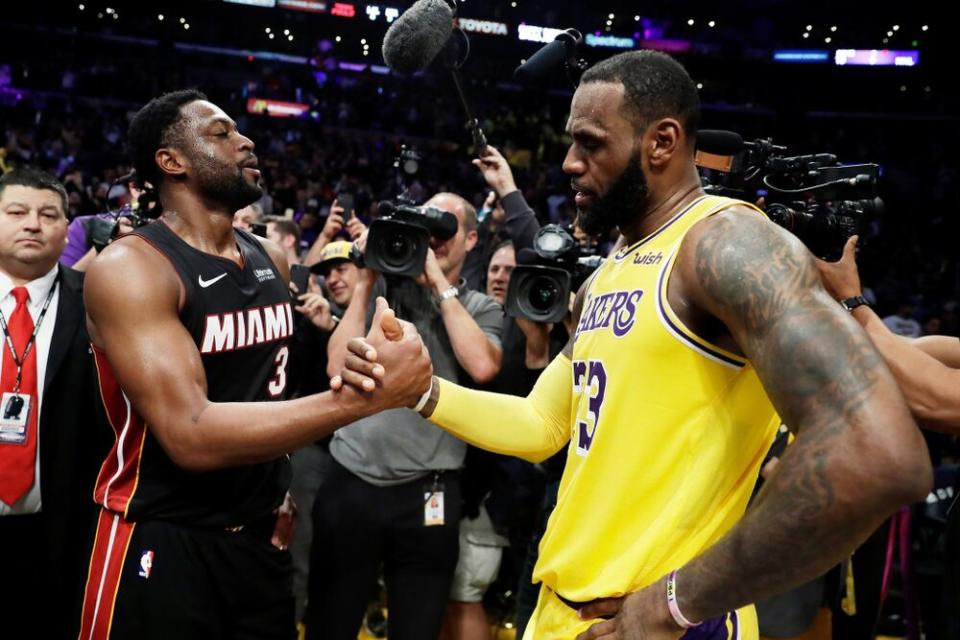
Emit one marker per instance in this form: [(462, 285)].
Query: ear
[(664, 139), (171, 161), (471, 240)]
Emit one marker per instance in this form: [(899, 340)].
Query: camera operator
[(394, 492), (520, 223), (927, 369)]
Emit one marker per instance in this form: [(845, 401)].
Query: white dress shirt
[(38, 289)]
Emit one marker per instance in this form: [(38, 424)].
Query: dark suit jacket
[(74, 440)]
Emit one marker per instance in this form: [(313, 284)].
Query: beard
[(225, 183), (623, 202)]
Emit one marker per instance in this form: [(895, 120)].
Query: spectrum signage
[(613, 42), (484, 26)]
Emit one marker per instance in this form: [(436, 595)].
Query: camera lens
[(544, 294), (397, 250)]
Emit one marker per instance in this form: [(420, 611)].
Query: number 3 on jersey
[(590, 383), (278, 382)]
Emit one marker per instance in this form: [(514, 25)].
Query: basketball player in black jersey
[(189, 320)]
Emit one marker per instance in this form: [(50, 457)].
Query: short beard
[(623, 202), (225, 184)]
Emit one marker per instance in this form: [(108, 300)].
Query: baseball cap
[(338, 251)]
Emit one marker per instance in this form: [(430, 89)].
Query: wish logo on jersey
[(616, 308)]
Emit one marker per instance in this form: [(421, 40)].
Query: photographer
[(373, 508), (927, 369), (509, 209)]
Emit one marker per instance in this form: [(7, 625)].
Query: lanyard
[(19, 360)]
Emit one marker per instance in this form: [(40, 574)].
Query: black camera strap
[(19, 360)]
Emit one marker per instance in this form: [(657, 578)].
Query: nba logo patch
[(146, 564)]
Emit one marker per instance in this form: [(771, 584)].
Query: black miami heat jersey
[(240, 319)]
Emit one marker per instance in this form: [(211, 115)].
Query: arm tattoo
[(824, 376)]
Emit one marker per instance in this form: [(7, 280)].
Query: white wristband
[(424, 398)]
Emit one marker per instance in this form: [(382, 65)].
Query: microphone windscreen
[(416, 37), (527, 256), (719, 142), (544, 61)]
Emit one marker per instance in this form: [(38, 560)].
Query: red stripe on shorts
[(103, 580)]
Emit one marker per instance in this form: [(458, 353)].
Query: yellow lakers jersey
[(667, 431)]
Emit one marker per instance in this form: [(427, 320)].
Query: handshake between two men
[(391, 364)]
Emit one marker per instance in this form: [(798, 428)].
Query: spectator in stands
[(286, 233), (247, 217)]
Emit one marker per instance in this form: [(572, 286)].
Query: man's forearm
[(521, 222), (798, 529), (943, 349), (476, 354), (538, 426), (353, 324), (235, 433), (929, 386)]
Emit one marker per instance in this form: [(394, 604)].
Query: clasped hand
[(391, 364)]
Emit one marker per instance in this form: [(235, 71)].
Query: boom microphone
[(549, 57), (418, 36), (719, 142)]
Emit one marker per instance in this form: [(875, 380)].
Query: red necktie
[(17, 460)]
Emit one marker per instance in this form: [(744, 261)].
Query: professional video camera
[(814, 197), (400, 236), (541, 283)]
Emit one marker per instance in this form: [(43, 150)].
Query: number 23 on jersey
[(589, 385)]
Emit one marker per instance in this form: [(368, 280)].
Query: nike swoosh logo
[(206, 283)]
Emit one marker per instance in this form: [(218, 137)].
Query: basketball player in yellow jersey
[(689, 339)]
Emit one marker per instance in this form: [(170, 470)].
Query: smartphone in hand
[(300, 276), (345, 200)]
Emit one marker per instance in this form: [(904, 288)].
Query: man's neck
[(206, 230), (661, 211), (23, 274), (293, 258)]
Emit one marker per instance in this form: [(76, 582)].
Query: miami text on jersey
[(246, 328)]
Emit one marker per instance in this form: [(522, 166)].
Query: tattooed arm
[(858, 455)]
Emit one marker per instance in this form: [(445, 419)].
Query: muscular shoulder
[(130, 269), (739, 263)]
